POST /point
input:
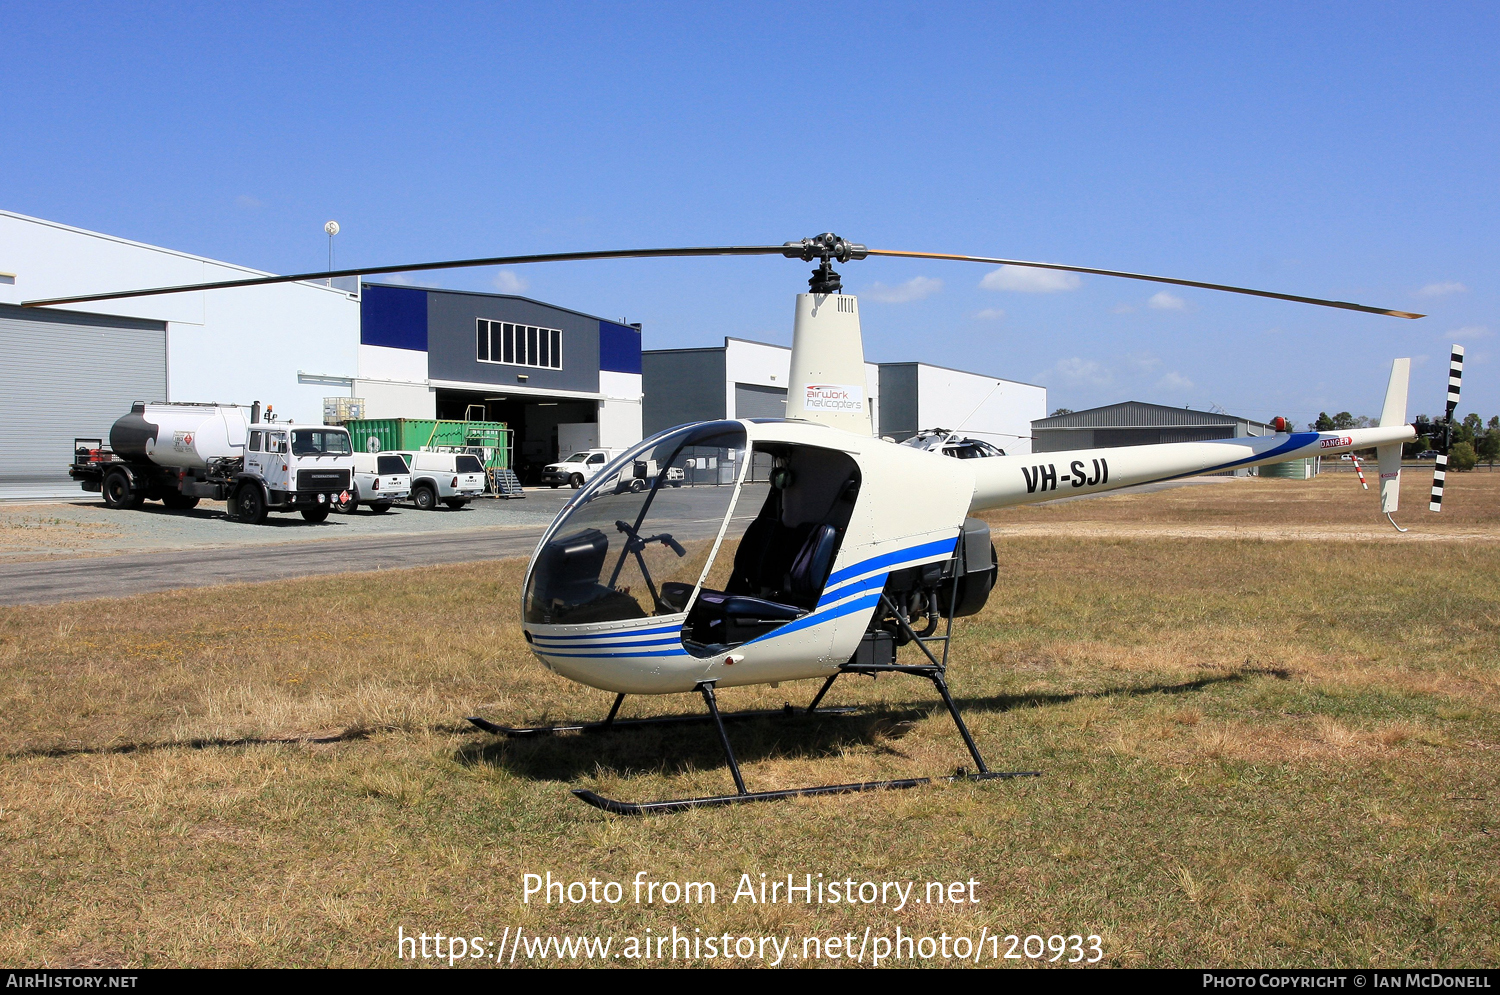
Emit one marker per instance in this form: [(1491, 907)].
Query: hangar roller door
[(755, 401), (65, 375)]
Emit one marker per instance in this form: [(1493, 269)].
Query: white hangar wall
[(271, 344), (997, 411)]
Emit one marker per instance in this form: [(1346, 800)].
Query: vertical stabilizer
[(828, 364), (1392, 415)]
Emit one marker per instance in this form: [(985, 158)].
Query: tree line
[(1475, 441)]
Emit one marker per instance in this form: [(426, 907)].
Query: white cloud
[(1442, 289), (1163, 301), (509, 283), (1470, 332), (1029, 281), (1080, 370), (914, 289), (403, 280), (1174, 381), (990, 314), (1143, 362), (248, 202)]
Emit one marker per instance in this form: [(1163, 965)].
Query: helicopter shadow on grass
[(681, 749), (1010, 702)]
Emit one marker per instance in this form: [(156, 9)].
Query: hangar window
[(517, 345)]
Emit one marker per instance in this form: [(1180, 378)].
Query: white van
[(452, 478), (380, 480)]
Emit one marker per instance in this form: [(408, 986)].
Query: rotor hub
[(825, 247)]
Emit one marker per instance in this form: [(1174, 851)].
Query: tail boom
[(1003, 481)]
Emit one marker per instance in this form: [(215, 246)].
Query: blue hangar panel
[(395, 317), (619, 348)]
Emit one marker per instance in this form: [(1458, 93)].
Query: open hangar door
[(533, 422), (67, 375)]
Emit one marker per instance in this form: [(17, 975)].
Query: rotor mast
[(828, 383)]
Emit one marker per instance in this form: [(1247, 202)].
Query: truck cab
[(304, 468)]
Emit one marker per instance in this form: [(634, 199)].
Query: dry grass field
[(1258, 749)]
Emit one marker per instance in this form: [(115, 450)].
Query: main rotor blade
[(545, 257), (1150, 279)]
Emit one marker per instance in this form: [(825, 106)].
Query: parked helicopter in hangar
[(807, 547)]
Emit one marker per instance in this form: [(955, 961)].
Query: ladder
[(504, 483)]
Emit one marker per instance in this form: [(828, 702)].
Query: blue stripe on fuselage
[(1294, 442), (940, 547), (613, 634), (865, 603), (872, 583)]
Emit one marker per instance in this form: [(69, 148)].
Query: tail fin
[(1393, 414)]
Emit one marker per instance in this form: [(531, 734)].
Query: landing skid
[(715, 801), (933, 670)]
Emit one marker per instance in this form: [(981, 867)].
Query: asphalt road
[(47, 582), (84, 577), (689, 514)]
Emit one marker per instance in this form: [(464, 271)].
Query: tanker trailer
[(179, 453)]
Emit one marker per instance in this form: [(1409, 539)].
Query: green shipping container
[(376, 435)]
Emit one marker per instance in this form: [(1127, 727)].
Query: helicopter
[(807, 548)]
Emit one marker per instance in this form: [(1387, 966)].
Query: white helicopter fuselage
[(909, 511), (770, 564)]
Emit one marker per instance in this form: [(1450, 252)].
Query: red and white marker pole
[(1359, 470)]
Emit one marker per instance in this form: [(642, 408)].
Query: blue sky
[(1332, 150)]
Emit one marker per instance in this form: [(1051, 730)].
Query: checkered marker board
[(1455, 384)]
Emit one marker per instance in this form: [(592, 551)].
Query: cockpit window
[(637, 537)]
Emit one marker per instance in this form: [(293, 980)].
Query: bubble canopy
[(641, 531)]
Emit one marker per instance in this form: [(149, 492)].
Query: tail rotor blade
[(1455, 384), (1455, 379)]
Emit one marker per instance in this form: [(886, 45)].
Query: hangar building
[(426, 353), (740, 379), (409, 352), (1138, 423), (744, 379), (920, 395)]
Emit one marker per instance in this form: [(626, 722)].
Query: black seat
[(804, 581), (729, 618)]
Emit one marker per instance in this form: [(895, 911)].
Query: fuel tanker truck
[(178, 453)]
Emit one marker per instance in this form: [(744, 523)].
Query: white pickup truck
[(577, 469), (452, 478), (380, 480)]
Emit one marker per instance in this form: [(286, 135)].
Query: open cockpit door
[(778, 549)]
